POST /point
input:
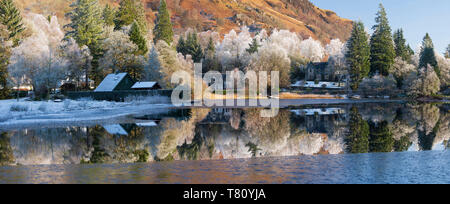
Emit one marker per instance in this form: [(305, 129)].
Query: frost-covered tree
[(78, 62), (336, 51), (358, 55), (273, 58), (312, 50), (5, 53), (37, 60), (382, 53), (232, 51), (10, 17), (87, 27), (120, 56), (289, 41), (401, 69), (153, 67), (170, 62), (444, 66), (426, 84)]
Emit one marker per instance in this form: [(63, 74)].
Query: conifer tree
[(254, 46), (137, 38), (358, 139), (86, 28), (382, 53), (358, 55), (109, 15), (401, 49), (5, 53), (163, 26), (10, 17), (427, 55), (181, 46), (130, 11), (193, 47), (447, 52), (211, 48)]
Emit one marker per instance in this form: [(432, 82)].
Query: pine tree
[(210, 63), (401, 49), (86, 28), (109, 15), (381, 45), (254, 46), (358, 55), (358, 139), (211, 48), (163, 26), (130, 11), (10, 17), (193, 47), (447, 52), (137, 38), (427, 56), (410, 50), (181, 46), (5, 53)]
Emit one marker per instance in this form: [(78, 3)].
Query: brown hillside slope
[(223, 15)]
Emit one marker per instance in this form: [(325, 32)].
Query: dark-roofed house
[(115, 82), (147, 85), (321, 71)]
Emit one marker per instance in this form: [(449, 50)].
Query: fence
[(117, 95)]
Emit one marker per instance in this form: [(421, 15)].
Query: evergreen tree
[(211, 63), (410, 50), (382, 53), (211, 48), (401, 49), (137, 38), (5, 54), (447, 52), (181, 46), (109, 15), (358, 138), (130, 11), (254, 46), (193, 47), (10, 17), (427, 55), (163, 26), (381, 139), (86, 28), (358, 55)]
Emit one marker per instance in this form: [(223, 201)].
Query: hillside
[(223, 15)]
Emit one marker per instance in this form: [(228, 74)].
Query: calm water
[(359, 143)]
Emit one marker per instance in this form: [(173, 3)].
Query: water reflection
[(214, 134)]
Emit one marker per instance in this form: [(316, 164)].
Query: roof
[(115, 129), (110, 82), (144, 85), (321, 84)]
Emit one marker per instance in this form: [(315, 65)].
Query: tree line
[(102, 40)]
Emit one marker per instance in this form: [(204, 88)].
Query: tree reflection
[(358, 138), (6, 152)]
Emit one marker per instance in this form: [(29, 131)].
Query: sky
[(415, 17)]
